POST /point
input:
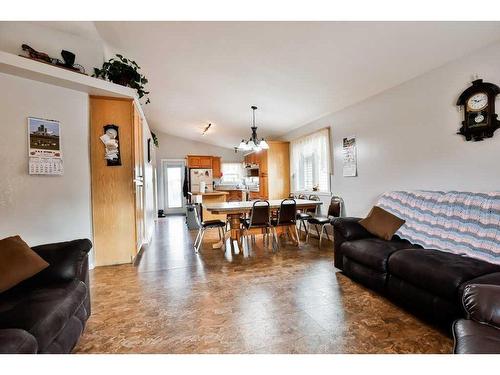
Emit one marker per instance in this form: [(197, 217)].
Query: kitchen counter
[(210, 193), (210, 197)]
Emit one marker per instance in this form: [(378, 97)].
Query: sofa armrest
[(346, 229), (17, 341), (67, 261), (482, 303), (350, 228)]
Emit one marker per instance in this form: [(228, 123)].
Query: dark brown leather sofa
[(480, 333), (430, 283), (47, 313)]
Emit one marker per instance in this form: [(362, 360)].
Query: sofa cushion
[(475, 338), (437, 271), (17, 262), (372, 252), (43, 312), (381, 223), (17, 341)]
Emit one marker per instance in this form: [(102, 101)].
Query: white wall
[(406, 137), (150, 210), (43, 209), (89, 53), (172, 147)]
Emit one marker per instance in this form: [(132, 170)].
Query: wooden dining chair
[(208, 224), (260, 218), (303, 216), (334, 211), (287, 217)]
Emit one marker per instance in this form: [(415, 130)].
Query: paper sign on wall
[(44, 147), (350, 167)]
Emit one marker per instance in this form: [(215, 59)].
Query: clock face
[(477, 101)]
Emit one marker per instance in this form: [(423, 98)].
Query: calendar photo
[(44, 138)]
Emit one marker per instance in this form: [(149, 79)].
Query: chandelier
[(253, 143)]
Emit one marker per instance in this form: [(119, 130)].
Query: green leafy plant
[(124, 72)]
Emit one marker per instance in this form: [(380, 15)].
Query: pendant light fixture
[(253, 143)]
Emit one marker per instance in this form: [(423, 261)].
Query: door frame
[(164, 162)]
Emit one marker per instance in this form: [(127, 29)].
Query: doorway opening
[(173, 175)]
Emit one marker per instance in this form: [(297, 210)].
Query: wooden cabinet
[(117, 195), (274, 171), (216, 167), (199, 161)]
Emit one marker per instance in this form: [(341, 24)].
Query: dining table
[(236, 210)]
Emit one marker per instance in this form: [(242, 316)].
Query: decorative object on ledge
[(111, 142), (253, 143), (480, 120), (68, 57), (125, 72)]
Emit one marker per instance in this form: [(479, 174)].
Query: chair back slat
[(197, 215), (260, 214), (288, 211), (335, 208), (314, 197)]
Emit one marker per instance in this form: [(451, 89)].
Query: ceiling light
[(253, 142), (206, 129), (243, 145), (263, 144)]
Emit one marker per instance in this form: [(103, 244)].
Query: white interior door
[(173, 178)]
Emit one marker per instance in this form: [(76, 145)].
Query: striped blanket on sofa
[(458, 222)]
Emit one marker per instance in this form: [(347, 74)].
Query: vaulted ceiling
[(295, 72)]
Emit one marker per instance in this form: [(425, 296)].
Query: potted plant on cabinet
[(125, 72)]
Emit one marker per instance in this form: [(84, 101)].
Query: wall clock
[(480, 120)]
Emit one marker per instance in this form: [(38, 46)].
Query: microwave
[(252, 170)]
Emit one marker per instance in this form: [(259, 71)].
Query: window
[(232, 173), (311, 161)]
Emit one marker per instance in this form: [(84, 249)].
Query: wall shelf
[(37, 71)]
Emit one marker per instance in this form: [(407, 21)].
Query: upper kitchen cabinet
[(199, 161), (274, 170), (216, 167)]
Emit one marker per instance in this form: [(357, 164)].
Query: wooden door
[(112, 186), (138, 181)]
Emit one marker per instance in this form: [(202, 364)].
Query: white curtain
[(310, 158)]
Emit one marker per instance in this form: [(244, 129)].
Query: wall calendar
[(44, 147)]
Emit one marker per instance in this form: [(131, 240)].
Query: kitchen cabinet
[(216, 167), (199, 161), (274, 171)]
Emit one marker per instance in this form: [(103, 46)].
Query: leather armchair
[(346, 229), (47, 313), (480, 334), (17, 341)]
